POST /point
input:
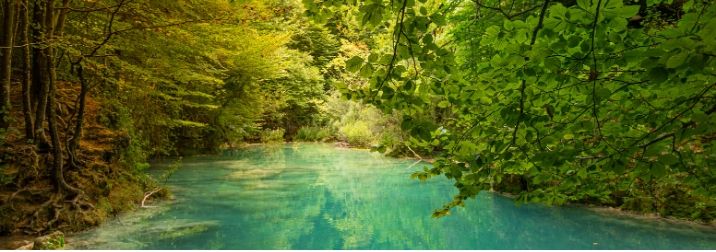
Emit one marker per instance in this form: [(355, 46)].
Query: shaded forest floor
[(29, 200)]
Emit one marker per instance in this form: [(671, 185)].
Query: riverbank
[(612, 211), (100, 182)]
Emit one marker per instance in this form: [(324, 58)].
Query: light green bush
[(270, 136), (357, 134), (313, 134)]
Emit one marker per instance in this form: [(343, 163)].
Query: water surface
[(315, 196)]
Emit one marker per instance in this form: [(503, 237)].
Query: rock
[(27, 246), (22, 245), (54, 240)]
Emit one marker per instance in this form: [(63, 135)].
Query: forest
[(554, 102)]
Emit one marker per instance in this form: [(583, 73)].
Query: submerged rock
[(136, 235), (254, 174), (180, 228), (118, 245)]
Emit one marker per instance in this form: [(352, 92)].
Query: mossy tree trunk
[(7, 39), (27, 70), (40, 71)]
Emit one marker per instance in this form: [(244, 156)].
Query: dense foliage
[(592, 101), (92, 90)]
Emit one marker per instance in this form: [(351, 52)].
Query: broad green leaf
[(354, 64), (677, 60)]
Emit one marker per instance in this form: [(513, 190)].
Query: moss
[(55, 240), (124, 195)]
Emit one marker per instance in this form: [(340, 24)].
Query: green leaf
[(443, 104), (428, 39), (658, 74), (602, 93), (552, 63), (628, 11), (557, 11), (677, 60), (585, 5), (508, 25), (354, 64), (438, 19), (366, 71)]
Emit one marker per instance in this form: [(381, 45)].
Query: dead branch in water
[(420, 159), (146, 196)]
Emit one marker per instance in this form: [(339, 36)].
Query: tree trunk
[(40, 68), (37, 28), (60, 29), (58, 159), (26, 68), (57, 151), (6, 64), (84, 88)]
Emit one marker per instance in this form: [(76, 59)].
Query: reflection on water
[(314, 196)]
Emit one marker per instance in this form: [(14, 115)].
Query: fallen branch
[(420, 159), (416, 154), (146, 196)]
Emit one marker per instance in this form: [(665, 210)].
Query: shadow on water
[(315, 196)]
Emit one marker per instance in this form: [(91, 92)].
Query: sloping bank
[(32, 204)]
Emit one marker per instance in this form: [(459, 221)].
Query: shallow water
[(315, 196)]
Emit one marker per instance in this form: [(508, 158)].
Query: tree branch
[(523, 86), (506, 13)]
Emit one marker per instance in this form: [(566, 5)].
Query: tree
[(7, 43)]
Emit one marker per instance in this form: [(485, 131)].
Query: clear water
[(315, 196)]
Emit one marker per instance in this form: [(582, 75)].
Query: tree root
[(71, 152), (67, 187), (9, 199), (36, 215), (58, 210), (30, 151), (77, 203), (50, 213)]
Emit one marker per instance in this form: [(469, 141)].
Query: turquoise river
[(316, 196)]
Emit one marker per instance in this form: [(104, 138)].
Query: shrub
[(357, 134), (313, 134), (269, 135)]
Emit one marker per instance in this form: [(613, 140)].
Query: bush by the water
[(313, 134), (272, 135), (357, 134)]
